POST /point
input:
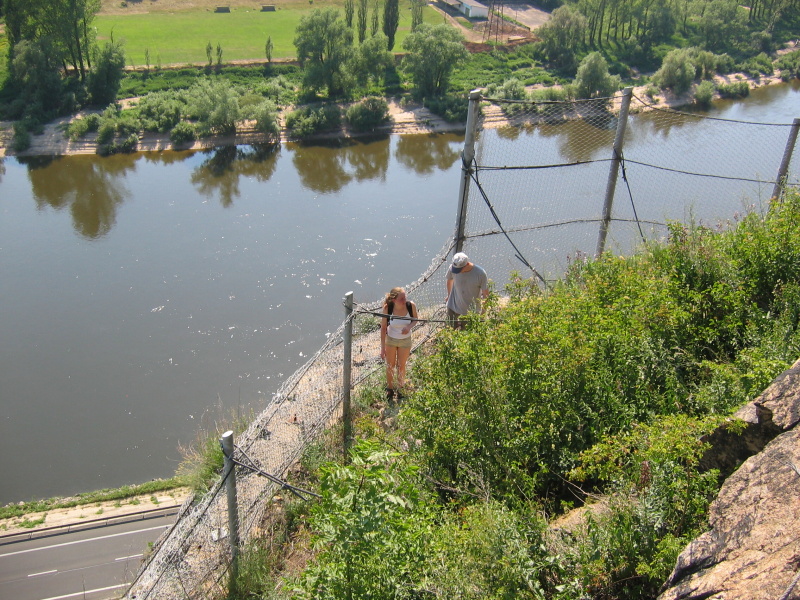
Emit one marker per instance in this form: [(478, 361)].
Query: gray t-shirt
[(467, 288)]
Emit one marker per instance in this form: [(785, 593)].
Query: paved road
[(91, 564)]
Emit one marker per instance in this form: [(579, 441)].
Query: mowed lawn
[(182, 37)]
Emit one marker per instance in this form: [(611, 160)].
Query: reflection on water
[(219, 174), (425, 154), (93, 190)]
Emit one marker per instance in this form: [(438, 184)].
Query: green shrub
[(22, 137), (368, 114), (309, 120), (789, 65), (704, 93), (182, 133), (757, 66), (740, 89), (161, 111), (452, 108), (106, 131)]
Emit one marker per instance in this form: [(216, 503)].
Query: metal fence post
[(613, 174), (783, 170), (229, 475), (347, 371), (467, 155)]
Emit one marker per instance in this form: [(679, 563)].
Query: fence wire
[(535, 200)]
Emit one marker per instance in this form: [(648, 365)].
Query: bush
[(161, 111), (22, 137), (182, 133), (757, 66), (704, 93), (740, 89), (368, 114), (267, 119), (789, 65), (308, 121), (453, 108)]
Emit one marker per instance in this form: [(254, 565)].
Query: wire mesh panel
[(542, 173), (535, 199)]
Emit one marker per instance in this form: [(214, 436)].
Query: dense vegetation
[(598, 390)]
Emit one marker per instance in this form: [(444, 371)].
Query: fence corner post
[(783, 170), (347, 368), (229, 476), (616, 158)]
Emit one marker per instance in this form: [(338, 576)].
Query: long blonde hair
[(393, 293)]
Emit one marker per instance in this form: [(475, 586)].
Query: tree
[(363, 8), (349, 11), (36, 73), (376, 17), (416, 13), (105, 78), (593, 79), (722, 23), (370, 60), (215, 104), (268, 49), (67, 24), (209, 53), (433, 52), (562, 36), (324, 46), (391, 19), (677, 71)]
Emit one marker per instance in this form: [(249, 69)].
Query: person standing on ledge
[(467, 287)]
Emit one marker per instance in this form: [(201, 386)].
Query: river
[(148, 296)]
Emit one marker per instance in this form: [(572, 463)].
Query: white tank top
[(396, 325)]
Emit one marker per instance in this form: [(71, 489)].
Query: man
[(467, 286)]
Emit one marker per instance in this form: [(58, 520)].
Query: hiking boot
[(389, 394)]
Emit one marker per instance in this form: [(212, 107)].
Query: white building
[(470, 8)]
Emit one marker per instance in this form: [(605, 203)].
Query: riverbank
[(403, 119)]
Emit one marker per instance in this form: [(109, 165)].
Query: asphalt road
[(91, 564)]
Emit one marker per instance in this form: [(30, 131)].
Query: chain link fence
[(542, 184)]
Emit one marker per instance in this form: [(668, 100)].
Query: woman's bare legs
[(391, 364), (402, 359)]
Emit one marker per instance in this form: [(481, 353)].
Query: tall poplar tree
[(391, 19)]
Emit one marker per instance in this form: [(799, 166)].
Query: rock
[(751, 553)]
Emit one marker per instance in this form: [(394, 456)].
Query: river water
[(147, 296)]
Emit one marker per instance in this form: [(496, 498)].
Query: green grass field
[(181, 37)]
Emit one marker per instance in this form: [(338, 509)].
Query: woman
[(396, 340)]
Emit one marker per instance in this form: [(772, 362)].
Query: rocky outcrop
[(752, 551)]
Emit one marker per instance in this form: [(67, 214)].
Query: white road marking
[(129, 557), (102, 537), (43, 573), (86, 592)]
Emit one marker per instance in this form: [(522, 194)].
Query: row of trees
[(333, 65), (716, 25)]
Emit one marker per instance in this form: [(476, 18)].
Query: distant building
[(470, 8)]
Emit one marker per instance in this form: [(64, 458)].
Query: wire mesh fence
[(535, 196)]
